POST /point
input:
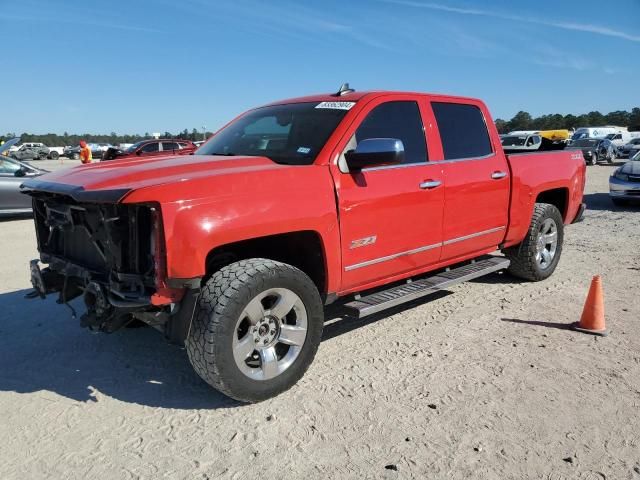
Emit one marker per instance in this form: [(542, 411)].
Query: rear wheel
[(538, 255), (53, 155), (256, 329), (76, 156), (610, 155), (594, 159)]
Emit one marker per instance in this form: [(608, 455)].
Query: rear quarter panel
[(534, 173)]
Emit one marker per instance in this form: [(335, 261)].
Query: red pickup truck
[(376, 198)]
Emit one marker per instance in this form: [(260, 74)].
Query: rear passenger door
[(171, 147), (477, 181)]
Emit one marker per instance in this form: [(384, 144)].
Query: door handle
[(498, 175), (429, 184)]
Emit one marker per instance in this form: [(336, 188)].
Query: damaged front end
[(111, 254)]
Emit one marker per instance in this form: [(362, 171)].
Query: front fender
[(256, 205)]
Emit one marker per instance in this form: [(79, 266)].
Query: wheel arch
[(558, 197), (304, 250)]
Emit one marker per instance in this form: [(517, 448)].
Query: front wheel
[(537, 256), (256, 329), (594, 159)]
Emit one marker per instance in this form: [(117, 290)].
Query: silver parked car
[(624, 183), (629, 149), (12, 174)]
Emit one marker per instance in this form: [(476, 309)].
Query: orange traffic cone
[(592, 319)]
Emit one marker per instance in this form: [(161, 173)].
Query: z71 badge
[(362, 242)]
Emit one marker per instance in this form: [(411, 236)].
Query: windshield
[(134, 147), (291, 134), (585, 142), (513, 141)]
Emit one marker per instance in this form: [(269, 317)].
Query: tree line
[(524, 121), (520, 121), (55, 140)]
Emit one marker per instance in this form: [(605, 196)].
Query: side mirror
[(375, 151), (20, 172)]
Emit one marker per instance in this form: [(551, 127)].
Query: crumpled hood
[(110, 181)]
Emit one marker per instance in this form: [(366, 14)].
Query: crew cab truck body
[(235, 250)]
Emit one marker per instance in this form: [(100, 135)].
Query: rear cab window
[(463, 130)]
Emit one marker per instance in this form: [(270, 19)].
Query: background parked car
[(12, 174), (628, 150), (595, 150), (34, 153), (17, 147), (152, 148), (624, 183), (525, 142), (97, 151), (621, 138)]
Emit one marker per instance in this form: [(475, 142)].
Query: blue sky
[(140, 66)]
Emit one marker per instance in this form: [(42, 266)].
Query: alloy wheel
[(546, 243), (269, 334)]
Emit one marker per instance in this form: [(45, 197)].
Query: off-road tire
[(75, 156), (221, 302), (523, 256), (54, 155), (594, 159)]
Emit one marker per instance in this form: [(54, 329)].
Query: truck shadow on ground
[(43, 349)]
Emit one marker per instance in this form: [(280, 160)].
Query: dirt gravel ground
[(483, 382)]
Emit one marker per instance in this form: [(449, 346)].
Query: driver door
[(390, 215)]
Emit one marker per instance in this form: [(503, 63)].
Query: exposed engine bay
[(108, 253)]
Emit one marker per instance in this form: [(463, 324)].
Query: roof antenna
[(344, 89)]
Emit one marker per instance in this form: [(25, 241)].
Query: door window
[(463, 130), (150, 147), (399, 120), (169, 146)]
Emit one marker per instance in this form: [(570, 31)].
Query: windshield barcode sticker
[(336, 105)]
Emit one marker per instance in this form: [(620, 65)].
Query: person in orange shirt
[(85, 152)]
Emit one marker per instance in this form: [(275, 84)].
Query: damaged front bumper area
[(112, 255)]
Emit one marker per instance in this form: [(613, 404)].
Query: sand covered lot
[(481, 382)]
